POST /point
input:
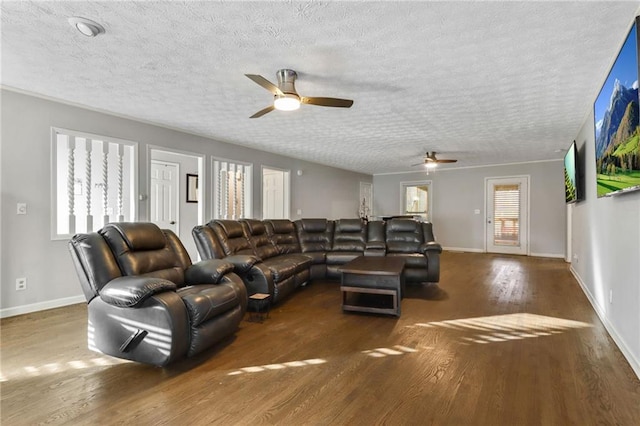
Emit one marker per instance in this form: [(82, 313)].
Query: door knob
[(173, 222)]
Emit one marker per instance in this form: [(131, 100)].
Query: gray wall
[(606, 253), (28, 251), (458, 192)]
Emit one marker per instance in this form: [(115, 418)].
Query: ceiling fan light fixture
[(86, 26), (431, 164), (286, 102)]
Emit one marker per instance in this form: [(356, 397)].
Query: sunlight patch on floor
[(503, 328), (59, 367), (383, 352), (281, 366), (373, 353)]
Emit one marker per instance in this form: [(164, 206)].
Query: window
[(506, 214), (93, 182), (416, 199), (232, 189)]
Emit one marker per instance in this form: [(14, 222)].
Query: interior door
[(275, 194), (507, 215), (164, 195)]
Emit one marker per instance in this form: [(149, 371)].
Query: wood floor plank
[(502, 340)]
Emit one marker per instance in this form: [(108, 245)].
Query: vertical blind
[(506, 214)]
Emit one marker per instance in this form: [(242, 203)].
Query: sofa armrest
[(131, 291), (242, 263), (431, 251), (208, 271), (431, 247)]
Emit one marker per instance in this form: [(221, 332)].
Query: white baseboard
[(553, 255), (469, 250), (41, 306), (475, 250), (633, 361)]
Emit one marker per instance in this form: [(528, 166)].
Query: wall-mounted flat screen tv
[(572, 176), (617, 128)]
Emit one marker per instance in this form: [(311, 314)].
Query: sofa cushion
[(281, 269), (349, 235), (139, 236), (232, 238), (412, 260), (207, 242), (282, 233), (136, 257), (404, 236), (314, 234), (204, 302), (301, 261), (317, 257), (406, 246), (256, 233), (314, 225), (341, 257)]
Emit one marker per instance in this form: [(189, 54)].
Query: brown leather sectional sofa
[(148, 303), (277, 256)]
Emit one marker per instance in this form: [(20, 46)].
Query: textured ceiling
[(483, 82)]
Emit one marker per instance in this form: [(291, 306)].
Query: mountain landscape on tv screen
[(570, 187), (617, 146)]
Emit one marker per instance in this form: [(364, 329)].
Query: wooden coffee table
[(373, 275)]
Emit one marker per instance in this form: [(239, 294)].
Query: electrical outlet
[(299, 211), (610, 296), (21, 284), (575, 257)]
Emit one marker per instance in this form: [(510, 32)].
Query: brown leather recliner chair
[(146, 301), (413, 241)]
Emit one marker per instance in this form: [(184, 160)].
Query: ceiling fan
[(285, 97), (430, 161)]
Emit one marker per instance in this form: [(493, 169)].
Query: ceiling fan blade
[(419, 164), (328, 102), (446, 161), (263, 111), (265, 83)]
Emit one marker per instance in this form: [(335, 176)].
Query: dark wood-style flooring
[(501, 340)]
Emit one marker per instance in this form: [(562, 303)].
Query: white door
[(507, 215), (164, 195), (275, 194)]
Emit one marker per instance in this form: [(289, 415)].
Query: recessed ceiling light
[(87, 27)]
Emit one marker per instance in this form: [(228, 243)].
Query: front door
[(164, 195), (507, 215)]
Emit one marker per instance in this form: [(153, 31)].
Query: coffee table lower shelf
[(395, 310)]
